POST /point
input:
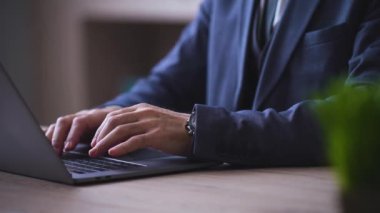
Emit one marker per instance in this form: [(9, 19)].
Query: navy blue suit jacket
[(315, 41)]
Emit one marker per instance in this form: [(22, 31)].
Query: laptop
[(25, 150)]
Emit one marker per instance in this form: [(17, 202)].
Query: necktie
[(270, 11), (261, 32)]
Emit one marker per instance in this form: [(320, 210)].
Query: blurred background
[(69, 55)]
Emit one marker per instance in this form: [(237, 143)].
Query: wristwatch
[(191, 124)]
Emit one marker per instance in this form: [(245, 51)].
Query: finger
[(96, 136), (61, 130), (49, 132), (94, 139), (117, 112), (133, 144), (44, 128), (78, 128), (114, 121), (119, 134), (110, 122)]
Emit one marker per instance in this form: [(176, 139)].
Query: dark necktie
[(266, 21), (261, 34)]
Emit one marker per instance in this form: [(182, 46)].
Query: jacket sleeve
[(291, 137), (177, 81)]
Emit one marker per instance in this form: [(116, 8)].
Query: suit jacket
[(315, 41)]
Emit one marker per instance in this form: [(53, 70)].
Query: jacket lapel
[(247, 9), (292, 26)]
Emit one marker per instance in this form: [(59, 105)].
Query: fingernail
[(111, 152), (92, 152), (93, 143), (68, 146)]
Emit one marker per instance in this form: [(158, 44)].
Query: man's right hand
[(68, 130)]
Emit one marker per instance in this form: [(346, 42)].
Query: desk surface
[(244, 190)]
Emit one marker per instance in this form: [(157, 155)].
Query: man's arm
[(290, 137)]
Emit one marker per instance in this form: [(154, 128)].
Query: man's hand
[(128, 129), (68, 130)]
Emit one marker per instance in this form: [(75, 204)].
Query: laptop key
[(89, 165)]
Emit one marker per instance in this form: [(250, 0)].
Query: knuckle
[(119, 129), (92, 111), (133, 139), (143, 105), (78, 120), (140, 140), (60, 119), (147, 111), (63, 120), (85, 111), (113, 121), (111, 114)]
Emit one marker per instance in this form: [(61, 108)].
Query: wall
[(60, 51)]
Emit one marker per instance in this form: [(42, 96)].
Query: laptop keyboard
[(89, 165)]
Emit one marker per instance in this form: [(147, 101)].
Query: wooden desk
[(294, 190)]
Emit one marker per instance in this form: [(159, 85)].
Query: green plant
[(351, 123)]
